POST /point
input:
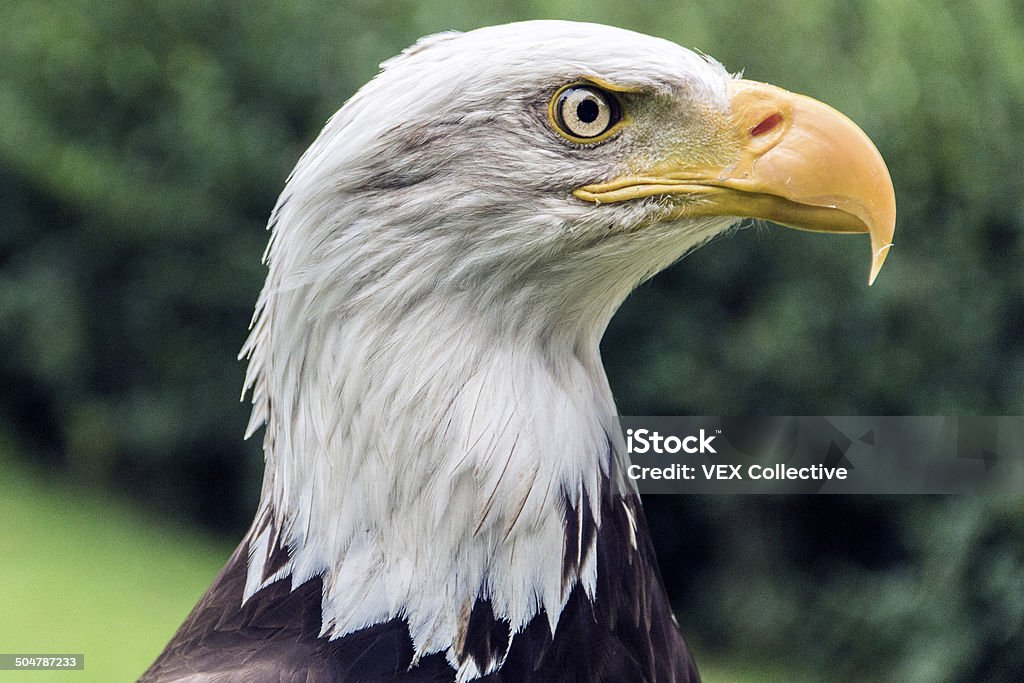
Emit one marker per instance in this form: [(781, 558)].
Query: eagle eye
[(584, 113)]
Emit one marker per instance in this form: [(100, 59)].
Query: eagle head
[(559, 164)]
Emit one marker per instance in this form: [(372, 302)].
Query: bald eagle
[(444, 496)]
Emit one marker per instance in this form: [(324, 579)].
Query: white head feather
[(424, 354)]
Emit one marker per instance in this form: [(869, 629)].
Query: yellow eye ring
[(585, 113)]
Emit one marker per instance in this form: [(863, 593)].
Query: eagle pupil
[(587, 111)]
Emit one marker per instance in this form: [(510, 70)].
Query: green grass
[(86, 573), (80, 573)]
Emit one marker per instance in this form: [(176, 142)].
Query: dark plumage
[(275, 636)]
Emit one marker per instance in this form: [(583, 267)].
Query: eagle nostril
[(766, 125)]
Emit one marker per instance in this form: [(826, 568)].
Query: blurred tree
[(142, 145)]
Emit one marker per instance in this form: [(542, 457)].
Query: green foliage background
[(142, 145)]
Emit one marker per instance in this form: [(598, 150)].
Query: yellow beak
[(792, 160)]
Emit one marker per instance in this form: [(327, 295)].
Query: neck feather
[(438, 423), (421, 464)]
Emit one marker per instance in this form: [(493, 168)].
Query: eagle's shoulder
[(626, 632), (275, 636)]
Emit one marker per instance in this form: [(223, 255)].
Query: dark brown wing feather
[(626, 634)]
